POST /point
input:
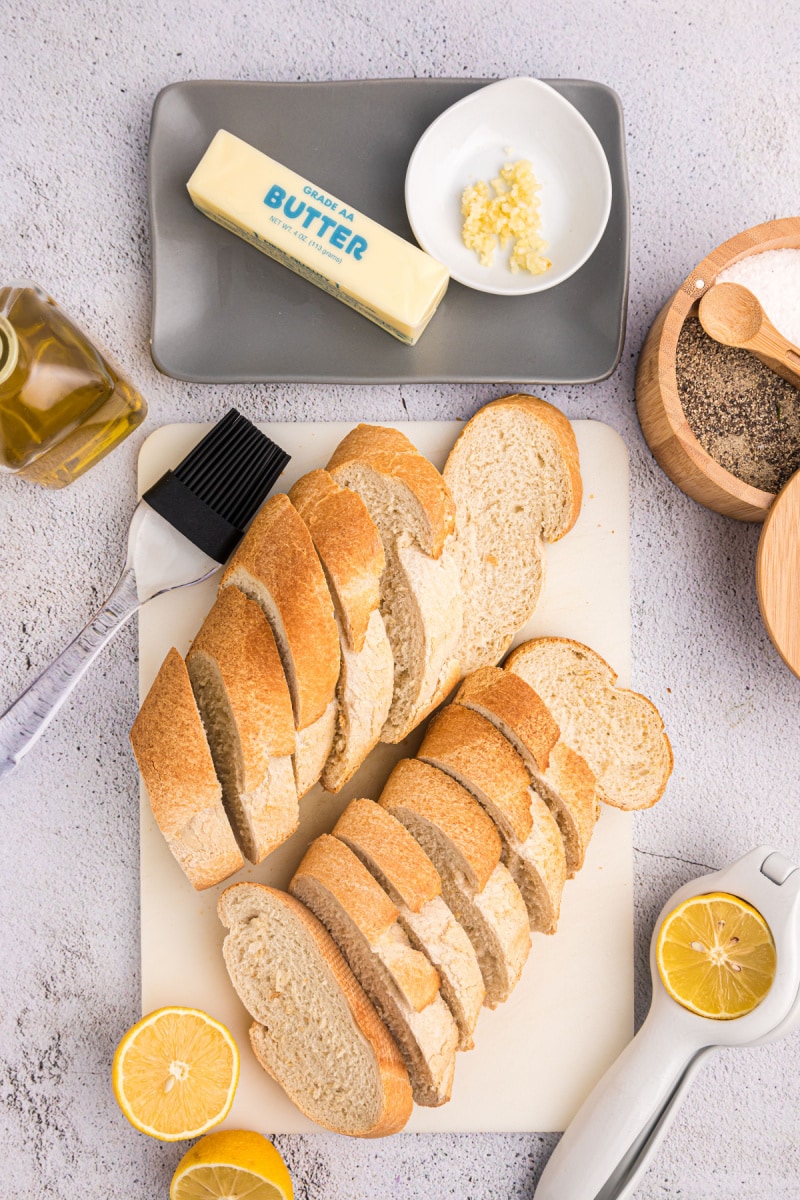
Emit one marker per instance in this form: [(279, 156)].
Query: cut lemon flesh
[(175, 1073), (716, 956), (231, 1165)]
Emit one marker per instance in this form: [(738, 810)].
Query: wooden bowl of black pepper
[(721, 425)]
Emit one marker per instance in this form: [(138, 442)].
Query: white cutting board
[(537, 1056)]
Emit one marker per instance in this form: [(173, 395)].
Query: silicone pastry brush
[(192, 519)]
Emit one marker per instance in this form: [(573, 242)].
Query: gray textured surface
[(711, 108)]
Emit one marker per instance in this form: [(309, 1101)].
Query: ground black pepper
[(744, 415)]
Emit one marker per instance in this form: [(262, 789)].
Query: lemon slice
[(232, 1164), (175, 1073), (716, 956)]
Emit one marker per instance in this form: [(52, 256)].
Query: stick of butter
[(348, 255)]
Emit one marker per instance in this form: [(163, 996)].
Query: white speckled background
[(711, 101)]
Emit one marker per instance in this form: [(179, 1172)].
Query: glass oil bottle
[(63, 406)]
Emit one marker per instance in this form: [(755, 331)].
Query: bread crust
[(237, 635), (170, 747), (444, 803), (278, 552), (515, 662), (459, 739), (391, 453), (397, 1103), (336, 868), (348, 880), (516, 703), (402, 861), (558, 772), (349, 547)]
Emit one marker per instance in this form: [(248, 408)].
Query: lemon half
[(716, 956), (232, 1164), (175, 1073)]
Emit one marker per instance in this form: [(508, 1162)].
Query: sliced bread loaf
[(276, 565), (464, 846), (350, 550), (316, 1032), (515, 479), (412, 883), (618, 732), (241, 692), (467, 747), (557, 772), (175, 761), (420, 599), (399, 980)]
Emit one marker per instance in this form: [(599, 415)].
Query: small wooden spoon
[(778, 574), (731, 314)]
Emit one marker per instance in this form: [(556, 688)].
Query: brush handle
[(23, 723), (614, 1135)]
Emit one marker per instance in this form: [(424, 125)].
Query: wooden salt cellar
[(778, 574), (676, 449)]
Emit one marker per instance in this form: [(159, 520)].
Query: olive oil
[(63, 406)]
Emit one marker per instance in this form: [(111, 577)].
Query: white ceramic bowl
[(503, 122)]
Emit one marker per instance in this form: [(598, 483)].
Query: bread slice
[(387, 470), (313, 747), (351, 553), (464, 846), (315, 1031), (349, 548), (467, 747), (515, 479), (412, 883), (276, 565), (170, 747), (400, 981), (420, 599), (241, 691), (618, 732), (557, 772)]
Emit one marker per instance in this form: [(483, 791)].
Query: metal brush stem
[(23, 723)]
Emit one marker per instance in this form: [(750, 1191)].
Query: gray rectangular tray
[(222, 313)]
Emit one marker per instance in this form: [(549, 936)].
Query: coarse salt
[(773, 276)]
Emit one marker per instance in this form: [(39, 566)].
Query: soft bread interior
[(265, 815), (307, 1038), (224, 744), (427, 1040), (511, 482), (619, 733), (363, 700), (495, 919)]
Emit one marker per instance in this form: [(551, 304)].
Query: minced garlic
[(512, 213)]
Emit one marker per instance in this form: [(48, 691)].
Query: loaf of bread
[(315, 1032), (349, 612)]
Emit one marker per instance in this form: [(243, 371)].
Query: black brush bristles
[(212, 495)]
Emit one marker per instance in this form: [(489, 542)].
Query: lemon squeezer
[(613, 1137)]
